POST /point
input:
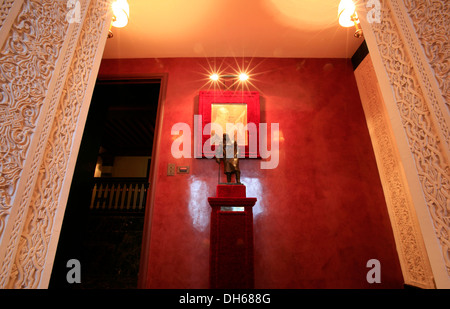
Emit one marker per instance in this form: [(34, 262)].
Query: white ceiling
[(232, 28)]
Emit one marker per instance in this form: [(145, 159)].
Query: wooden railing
[(119, 194)]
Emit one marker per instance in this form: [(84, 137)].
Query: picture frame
[(241, 108)]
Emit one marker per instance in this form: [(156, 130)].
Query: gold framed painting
[(234, 113)]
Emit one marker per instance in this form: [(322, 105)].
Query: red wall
[(320, 214)]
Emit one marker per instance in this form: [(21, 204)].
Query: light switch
[(171, 169), (183, 169)]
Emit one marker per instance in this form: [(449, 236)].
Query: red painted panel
[(232, 265), (231, 248)]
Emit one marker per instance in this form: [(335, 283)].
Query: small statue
[(231, 164)]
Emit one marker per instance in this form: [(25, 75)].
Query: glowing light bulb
[(346, 11), (214, 77), (121, 11), (243, 77)]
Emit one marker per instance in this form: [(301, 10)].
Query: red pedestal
[(231, 251)]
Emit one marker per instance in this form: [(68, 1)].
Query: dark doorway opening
[(104, 218)]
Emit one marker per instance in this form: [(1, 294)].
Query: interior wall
[(320, 215)]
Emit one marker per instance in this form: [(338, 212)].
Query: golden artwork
[(238, 109), (234, 114)]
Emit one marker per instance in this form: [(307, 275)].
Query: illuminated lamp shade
[(121, 11), (347, 13)]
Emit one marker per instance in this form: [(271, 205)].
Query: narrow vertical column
[(46, 91), (408, 65), (231, 251)]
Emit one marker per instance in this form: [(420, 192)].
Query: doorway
[(104, 218)]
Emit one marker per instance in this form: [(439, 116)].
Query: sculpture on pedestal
[(230, 158), (231, 234)]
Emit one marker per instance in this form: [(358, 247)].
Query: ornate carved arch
[(410, 55), (48, 67)]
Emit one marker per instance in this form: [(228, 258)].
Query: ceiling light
[(121, 14), (345, 10), (121, 11), (348, 17), (214, 77)]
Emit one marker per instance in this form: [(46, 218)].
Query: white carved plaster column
[(409, 49), (48, 68), (410, 245)]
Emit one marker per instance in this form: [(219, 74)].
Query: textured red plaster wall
[(320, 214)]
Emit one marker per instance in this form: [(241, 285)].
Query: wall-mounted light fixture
[(121, 14), (348, 17), (214, 77), (242, 77), (229, 81)]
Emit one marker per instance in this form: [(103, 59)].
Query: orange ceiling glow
[(232, 28)]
